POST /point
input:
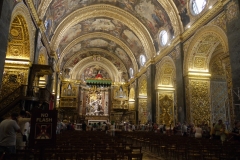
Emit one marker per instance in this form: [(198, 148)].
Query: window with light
[(142, 60), (131, 72), (163, 37), (198, 6)]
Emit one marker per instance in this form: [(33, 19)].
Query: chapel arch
[(18, 56), (165, 88), (198, 76)]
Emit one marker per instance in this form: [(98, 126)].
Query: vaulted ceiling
[(110, 36)]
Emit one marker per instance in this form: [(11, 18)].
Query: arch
[(204, 42), (165, 73), (102, 35), (22, 10), (142, 85), (112, 12), (97, 51), (83, 64)]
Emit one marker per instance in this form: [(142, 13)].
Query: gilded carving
[(142, 111), (221, 21), (199, 47), (41, 59), (230, 110), (198, 109), (18, 45), (166, 109), (68, 90), (165, 72), (143, 85), (132, 94), (166, 80), (12, 79), (199, 62), (131, 106), (27, 31)]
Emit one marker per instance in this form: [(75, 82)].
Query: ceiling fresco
[(149, 12), (105, 44), (71, 61), (111, 26), (93, 72)]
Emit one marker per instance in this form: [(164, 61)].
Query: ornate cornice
[(106, 36), (103, 10)]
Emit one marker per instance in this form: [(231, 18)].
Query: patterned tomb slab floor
[(147, 155)]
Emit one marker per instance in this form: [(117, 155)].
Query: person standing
[(198, 131), (22, 120), (219, 130), (84, 126), (8, 129), (236, 131)]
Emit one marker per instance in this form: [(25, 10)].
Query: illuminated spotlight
[(189, 26), (210, 7)]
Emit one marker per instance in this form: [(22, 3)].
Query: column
[(151, 94), (233, 34)]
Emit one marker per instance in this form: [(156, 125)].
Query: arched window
[(130, 72), (163, 37), (198, 6), (142, 60)]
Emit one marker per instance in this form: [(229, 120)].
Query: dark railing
[(23, 93)]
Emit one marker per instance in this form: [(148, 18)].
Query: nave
[(80, 145)]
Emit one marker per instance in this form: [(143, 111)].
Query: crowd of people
[(217, 131), (14, 133), (17, 126)]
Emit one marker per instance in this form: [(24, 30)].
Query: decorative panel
[(165, 109), (131, 106), (18, 45), (198, 108), (219, 98), (68, 90), (143, 87), (142, 111), (12, 79)]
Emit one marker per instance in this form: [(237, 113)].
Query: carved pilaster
[(198, 100)]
